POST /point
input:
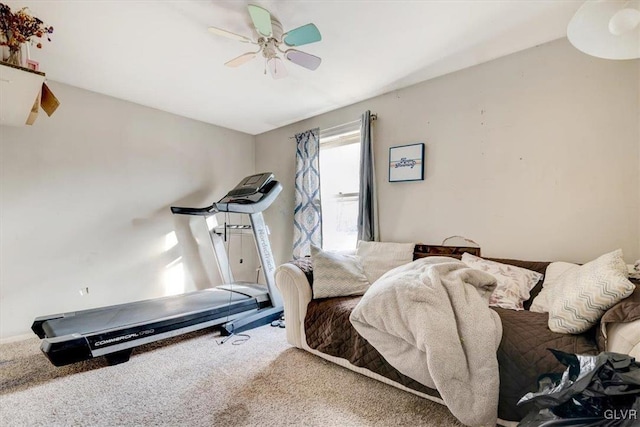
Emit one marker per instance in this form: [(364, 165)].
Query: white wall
[(85, 199), (533, 155)]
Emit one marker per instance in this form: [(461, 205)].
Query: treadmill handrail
[(206, 211)]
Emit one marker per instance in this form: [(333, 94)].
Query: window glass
[(339, 182)]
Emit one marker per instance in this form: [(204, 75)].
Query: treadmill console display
[(250, 185), (250, 191)]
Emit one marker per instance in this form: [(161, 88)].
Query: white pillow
[(336, 275), (379, 257), (583, 294), (514, 283), (624, 338), (634, 270), (541, 302)]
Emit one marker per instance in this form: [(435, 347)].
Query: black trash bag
[(602, 390)]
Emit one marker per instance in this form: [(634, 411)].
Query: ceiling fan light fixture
[(277, 68)]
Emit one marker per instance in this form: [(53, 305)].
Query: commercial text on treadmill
[(123, 337)]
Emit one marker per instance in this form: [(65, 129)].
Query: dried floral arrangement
[(20, 27)]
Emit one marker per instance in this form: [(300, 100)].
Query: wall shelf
[(20, 89)]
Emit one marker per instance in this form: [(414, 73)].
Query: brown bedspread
[(329, 331), (522, 354)]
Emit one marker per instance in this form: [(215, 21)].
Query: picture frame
[(32, 65), (406, 162)]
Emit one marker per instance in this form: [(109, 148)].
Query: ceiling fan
[(270, 39)]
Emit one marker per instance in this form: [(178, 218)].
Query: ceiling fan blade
[(302, 35), (229, 34), (261, 20), (277, 68), (245, 57), (303, 59)]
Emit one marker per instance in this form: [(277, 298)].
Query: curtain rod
[(374, 117)]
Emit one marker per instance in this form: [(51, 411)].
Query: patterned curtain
[(307, 214), (367, 202)]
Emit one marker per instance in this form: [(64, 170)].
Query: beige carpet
[(194, 381)]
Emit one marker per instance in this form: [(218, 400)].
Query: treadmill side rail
[(66, 350), (114, 343), (36, 326), (250, 321)]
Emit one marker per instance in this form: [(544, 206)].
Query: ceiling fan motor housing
[(270, 46)]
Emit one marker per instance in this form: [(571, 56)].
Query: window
[(339, 185)]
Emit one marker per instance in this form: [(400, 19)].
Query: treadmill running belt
[(147, 311)]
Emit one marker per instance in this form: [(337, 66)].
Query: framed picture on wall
[(32, 65), (406, 163)]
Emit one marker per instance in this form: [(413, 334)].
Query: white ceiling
[(160, 54)]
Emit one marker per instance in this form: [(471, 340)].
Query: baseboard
[(16, 338)]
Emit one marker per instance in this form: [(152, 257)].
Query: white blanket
[(431, 321)]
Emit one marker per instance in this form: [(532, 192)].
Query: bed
[(322, 327)]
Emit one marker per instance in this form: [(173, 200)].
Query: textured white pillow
[(514, 283), (379, 257), (583, 294), (336, 275), (541, 302)]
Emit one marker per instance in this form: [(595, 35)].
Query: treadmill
[(115, 330)]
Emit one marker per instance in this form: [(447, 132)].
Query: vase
[(15, 56)]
